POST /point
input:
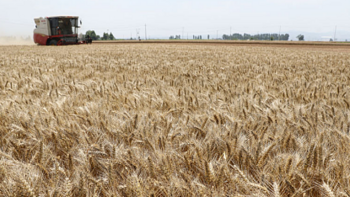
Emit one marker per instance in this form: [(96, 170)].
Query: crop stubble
[(174, 120)]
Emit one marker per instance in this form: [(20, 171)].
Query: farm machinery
[(58, 30)]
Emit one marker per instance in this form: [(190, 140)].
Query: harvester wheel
[(60, 42), (53, 42)]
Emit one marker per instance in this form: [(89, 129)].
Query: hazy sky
[(195, 17)]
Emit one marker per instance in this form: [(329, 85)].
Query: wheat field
[(174, 120)]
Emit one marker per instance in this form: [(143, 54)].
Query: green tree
[(105, 36), (286, 37), (300, 37), (111, 36), (92, 35)]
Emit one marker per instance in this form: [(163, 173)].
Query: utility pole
[(145, 32), (217, 34), (230, 31), (335, 33), (138, 34)]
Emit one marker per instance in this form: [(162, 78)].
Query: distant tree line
[(176, 37), (94, 36), (107, 36), (237, 36)]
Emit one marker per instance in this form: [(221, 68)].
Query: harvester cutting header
[(58, 30)]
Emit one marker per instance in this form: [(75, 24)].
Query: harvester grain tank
[(58, 30)]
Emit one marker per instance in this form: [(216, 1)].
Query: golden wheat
[(174, 120)]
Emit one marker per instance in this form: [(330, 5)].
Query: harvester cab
[(58, 30)]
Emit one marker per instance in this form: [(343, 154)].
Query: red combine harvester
[(58, 30)]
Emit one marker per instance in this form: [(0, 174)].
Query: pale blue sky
[(164, 17)]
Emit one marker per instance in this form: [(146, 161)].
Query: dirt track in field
[(328, 46)]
